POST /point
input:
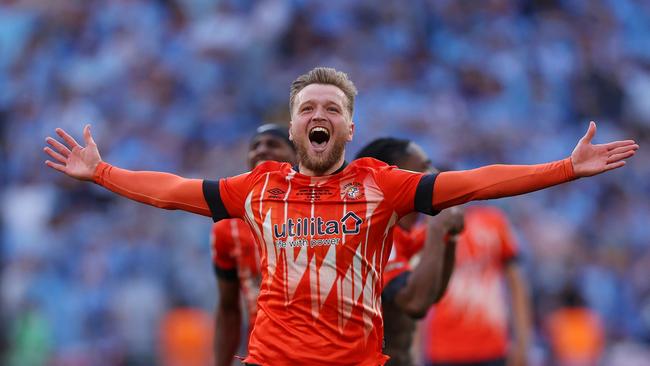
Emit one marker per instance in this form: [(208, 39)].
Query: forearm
[(227, 335), (414, 299), (157, 189), (424, 282), (447, 267), (521, 308), (496, 181)]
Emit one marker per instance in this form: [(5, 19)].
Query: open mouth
[(319, 137)]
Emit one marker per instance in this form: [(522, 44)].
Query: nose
[(262, 148), (319, 114)]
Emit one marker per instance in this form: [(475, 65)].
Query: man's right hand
[(74, 160)]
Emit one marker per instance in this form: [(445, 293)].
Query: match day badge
[(351, 191)]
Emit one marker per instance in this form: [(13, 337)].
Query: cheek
[(277, 151), (297, 128), (287, 154), (346, 129)]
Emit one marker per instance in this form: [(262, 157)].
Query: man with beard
[(234, 254), (324, 230), (409, 292)]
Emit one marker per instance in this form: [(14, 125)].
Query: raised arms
[(158, 189), (496, 181)]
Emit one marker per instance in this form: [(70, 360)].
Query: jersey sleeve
[(419, 236), (496, 181), (157, 189), (407, 191), (226, 197), (397, 280), (396, 264), (223, 256)]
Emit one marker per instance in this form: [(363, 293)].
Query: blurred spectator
[(576, 332), (186, 337), (30, 336)]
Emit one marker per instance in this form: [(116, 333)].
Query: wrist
[(569, 168), (98, 172)]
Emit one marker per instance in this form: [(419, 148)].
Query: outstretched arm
[(427, 281), (496, 181), (153, 188)]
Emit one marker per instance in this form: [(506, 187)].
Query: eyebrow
[(328, 101)]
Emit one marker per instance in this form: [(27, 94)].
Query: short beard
[(321, 163)]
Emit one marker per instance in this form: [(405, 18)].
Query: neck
[(306, 171)]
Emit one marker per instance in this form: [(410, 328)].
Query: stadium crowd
[(180, 85)]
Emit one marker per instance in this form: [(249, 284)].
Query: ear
[(350, 132), (290, 129)]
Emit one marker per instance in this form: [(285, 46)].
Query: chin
[(320, 161)]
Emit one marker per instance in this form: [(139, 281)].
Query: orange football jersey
[(406, 245), (470, 322), (576, 334), (235, 256), (324, 242)]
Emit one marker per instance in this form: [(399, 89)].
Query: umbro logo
[(276, 191)]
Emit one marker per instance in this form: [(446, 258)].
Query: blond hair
[(324, 75)]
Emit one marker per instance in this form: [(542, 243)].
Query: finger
[(614, 165), (67, 138), (622, 149), (591, 131), (62, 149), (55, 166), (60, 158), (616, 144), (87, 136), (617, 157)]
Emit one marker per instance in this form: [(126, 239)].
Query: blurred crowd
[(179, 85)]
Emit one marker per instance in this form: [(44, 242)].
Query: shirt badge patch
[(351, 191)]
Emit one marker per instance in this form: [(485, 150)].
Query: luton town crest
[(351, 191)]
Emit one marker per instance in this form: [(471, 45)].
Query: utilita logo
[(349, 224)]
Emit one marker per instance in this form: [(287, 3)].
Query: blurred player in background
[(409, 292), (575, 332), (185, 335), (323, 229), (235, 256), (470, 324)]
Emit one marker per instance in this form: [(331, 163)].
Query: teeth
[(320, 129)]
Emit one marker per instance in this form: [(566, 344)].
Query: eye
[(333, 109), (306, 108)]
